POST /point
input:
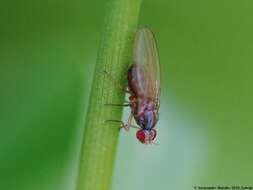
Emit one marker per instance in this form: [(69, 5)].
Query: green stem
[(100, 138)]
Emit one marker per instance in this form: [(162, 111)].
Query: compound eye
[(153, 134), (141, 136)]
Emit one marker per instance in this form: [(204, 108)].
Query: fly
[(143, 78)]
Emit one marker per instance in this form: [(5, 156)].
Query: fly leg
[(118, 85), (116, 82), (129, 121), (126, 126), (120, 105)]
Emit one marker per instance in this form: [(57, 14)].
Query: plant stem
[(100, 138)]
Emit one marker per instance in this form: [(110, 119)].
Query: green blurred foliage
[(47, 55)]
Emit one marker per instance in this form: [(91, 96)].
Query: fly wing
[(146, 56)]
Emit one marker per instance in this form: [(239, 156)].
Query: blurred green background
[(47, 54)]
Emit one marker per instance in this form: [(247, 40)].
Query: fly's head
[(146, 136)]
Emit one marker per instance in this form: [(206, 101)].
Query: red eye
[(140, 135)]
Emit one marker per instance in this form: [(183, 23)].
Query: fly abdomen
[(135, 75)]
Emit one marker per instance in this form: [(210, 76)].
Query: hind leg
[(116, 82)]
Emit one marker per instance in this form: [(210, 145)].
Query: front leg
[(126, 126), (129, 122)]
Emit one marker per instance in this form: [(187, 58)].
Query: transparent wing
[(146, 56)]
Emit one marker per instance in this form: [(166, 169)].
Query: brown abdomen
[(136, 80)]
